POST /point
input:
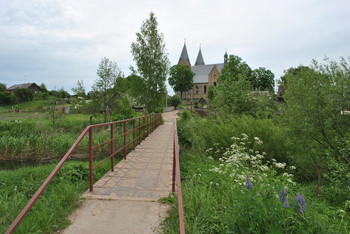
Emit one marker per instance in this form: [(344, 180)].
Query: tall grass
[(59, 199)]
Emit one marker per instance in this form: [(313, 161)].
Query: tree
[(43, 88), (315, 99), (23, 95), (235, 69), (263, 79), (104, 96), (181, 78), (79, 89), (152, 63), (2, 87), (175, 101), (232, 95), (7, 98)]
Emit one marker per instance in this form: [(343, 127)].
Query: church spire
[(225, 57), (184, 59), (199, 60)]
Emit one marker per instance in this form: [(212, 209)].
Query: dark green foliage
[(60, 94), (43, 88), (175, 101), (23, 95), (181, 78), (316, 99), (2, 87), (7, 99), (263, 79)]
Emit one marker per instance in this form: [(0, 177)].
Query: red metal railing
[(177, 181), (141, 127)]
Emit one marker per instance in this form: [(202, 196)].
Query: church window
[(196, 89), (205, 89), (214, 83)]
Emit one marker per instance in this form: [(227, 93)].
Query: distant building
[(32, 86), (204, 75)]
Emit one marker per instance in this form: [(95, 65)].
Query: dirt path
[(126, 200)]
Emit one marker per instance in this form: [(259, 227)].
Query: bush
[(7, 99), (204, 133), (23, 95)]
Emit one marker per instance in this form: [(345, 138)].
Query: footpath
[(126, 200)]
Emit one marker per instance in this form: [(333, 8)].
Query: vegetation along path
[(126, 200)]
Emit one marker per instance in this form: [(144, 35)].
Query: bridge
[(126, 199)]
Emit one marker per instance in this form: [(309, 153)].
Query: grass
[(60, 198), (215, 203)]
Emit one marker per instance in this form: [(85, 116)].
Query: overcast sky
[(58, 42)]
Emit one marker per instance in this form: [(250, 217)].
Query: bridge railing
[(132, 131), (177, 181)]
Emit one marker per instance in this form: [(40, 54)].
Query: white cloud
[(60, 41)]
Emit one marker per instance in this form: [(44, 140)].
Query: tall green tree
[(263, 79), (103, 88), (316, 98), (79, 89), (152, 63), (232, 95), (181, 78)]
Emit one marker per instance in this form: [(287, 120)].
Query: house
[(204, 74), (32, 86)]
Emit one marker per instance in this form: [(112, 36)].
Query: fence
[(177, 181), (132, 132)]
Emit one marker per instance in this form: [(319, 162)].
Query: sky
[(58, 42)]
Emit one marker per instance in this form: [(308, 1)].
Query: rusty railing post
[(174, 165), (133, 133), (138, 133), (90, 160), (112, 147), (124, 127)]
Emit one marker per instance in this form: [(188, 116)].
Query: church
[(204, 75)]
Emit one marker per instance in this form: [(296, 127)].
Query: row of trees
[(261, 79)]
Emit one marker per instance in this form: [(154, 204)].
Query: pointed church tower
[(225, 57), (184, 59), (199, 60)]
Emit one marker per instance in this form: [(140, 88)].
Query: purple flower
[(248, 184), (300, 200), (283, 195), (286, 204)]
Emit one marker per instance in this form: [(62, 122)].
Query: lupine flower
[(300, 200), (248, 184), (283, 195), (286, 204)]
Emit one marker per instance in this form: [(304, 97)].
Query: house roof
[(201, 72), (199, 60), (21, 86)]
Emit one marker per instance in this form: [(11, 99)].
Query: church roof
[(184, 59), (201, 72), (199, 60)]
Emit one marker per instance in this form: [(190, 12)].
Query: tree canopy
[(104, 96), (181, 78), (263, 79), (152, 63)]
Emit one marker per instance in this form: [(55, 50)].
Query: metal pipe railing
[(89, 129), (177, 181)]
